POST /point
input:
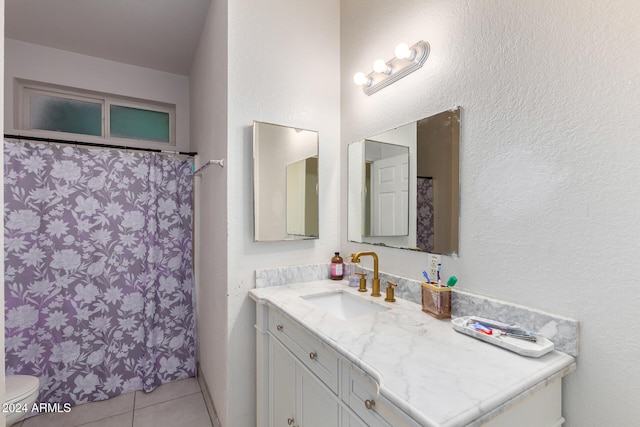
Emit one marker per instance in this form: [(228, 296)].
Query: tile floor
[(179, 403)]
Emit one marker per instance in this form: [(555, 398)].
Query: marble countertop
[(437, 376)]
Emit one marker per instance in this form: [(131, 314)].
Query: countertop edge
[(520, 397), (560, 370)]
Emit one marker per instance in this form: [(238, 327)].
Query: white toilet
[(21, 394)]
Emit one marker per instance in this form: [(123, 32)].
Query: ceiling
[(158, 34)]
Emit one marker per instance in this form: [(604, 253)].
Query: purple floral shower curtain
[(98, 270), (425, 225)]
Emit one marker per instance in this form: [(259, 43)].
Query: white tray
[(525, 348)]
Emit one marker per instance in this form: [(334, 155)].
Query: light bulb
[(360, 79), (402, 51), (379, 66)]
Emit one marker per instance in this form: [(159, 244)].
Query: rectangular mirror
[(285, 183), (426, 219)]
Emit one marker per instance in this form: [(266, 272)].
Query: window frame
[(26, 88)]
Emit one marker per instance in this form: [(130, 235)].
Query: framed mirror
[(285, 183), (425, 218)]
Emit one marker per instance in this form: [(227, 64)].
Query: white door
[(390, 196), (295, 197)]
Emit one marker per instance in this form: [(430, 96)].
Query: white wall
[(283, 68), (550, 189), (2, 377), (43, 64), (208, 89)]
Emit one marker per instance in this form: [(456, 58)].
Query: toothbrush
[(426, 276), (508, 330), (438, 270)]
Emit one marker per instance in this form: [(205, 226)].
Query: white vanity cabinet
[(316, 370), (296, 397), (303, 383)]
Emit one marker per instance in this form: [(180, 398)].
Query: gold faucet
[(390, 292), (375, 282), (363, 282)]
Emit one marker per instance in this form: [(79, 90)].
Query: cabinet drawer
[(360, 393), (321, 360)]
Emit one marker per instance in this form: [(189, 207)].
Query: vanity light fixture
[(407, 59), (379, 66), (361, 80)]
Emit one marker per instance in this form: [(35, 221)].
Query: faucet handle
[(363, 282), (390, 292)]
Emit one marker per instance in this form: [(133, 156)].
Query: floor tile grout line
[(95, 402), (133, 416), (106, 418), (110, 416), (165, 401), (134, 409), (170, 400), (207, 409)]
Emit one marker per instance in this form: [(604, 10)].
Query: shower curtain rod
[(92, 144)]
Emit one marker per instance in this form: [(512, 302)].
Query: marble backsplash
[(293, 274), (562, 331)]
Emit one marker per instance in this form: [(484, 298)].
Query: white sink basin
[(344, 305)]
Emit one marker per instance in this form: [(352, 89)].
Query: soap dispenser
[(337, 267)]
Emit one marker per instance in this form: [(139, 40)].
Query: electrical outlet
[(434, 260)]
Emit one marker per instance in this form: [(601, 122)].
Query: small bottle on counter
[(337, 267)]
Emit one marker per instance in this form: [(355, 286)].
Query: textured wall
[(280, 63), (2, 389), (549, 162), (208, 97), (283, 69)]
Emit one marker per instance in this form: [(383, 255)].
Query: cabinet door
[(349, 420), (282, 386), (318, 407)]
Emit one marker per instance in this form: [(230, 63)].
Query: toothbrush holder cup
[(436, 301)]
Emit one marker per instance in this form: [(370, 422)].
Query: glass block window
[(137, 123), (47, 108)]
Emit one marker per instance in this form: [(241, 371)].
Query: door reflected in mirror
[(302, 198), (385, 207), (425, 218), (285, 171)]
